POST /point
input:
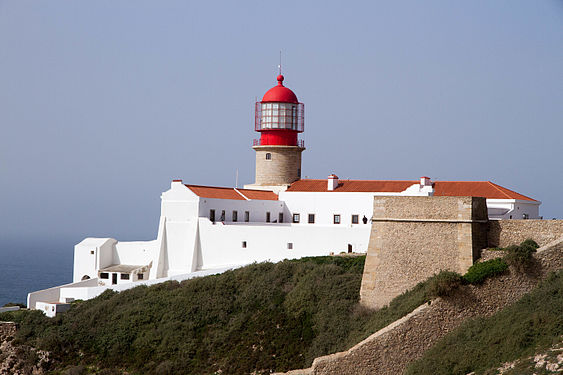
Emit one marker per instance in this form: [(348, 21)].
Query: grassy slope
[(261, 317), (533, 323)]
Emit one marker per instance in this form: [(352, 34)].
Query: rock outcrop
[(19, 359)]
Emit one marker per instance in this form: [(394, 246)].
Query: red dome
[(280, 93)]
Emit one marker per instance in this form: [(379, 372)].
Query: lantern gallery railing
[(258, 142)]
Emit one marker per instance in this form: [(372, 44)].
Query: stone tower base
[(277, 165)]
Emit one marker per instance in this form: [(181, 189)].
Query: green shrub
[(520, 257), (445, 283), (479, 272)]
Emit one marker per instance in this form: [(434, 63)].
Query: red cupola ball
[(280, 94)]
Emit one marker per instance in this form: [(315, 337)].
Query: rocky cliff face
[(20, 359)]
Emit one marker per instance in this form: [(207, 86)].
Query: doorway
[(113, 278)]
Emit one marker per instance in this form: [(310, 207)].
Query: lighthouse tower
[(279, 120)]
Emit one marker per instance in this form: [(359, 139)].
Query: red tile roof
[(485, 189), (231, 193)]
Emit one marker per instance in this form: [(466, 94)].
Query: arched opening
[(268, 156), (85, 277)]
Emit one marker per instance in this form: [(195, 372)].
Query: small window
[(124, 276), (247, 216), (140, 276), (235, 215), (222, 215), (92, 252), (290, 246), (311, 219), (104, 275), (296, 218), (268, 156), (355, 219), (212, 215), (244, 244), (280, 217), (336, 219), (267, 217)]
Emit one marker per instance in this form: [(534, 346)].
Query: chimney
[(425, 181), (332, 182), (175, 183)]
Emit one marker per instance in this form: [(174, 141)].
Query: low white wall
[(53, 294), (139, 253)]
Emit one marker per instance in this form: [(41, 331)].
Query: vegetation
[(520, 257), (445, 283), (480, 271), (533, 323), (260, 318)]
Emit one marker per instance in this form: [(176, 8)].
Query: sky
[(103, 103)]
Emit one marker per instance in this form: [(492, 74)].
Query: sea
[(27, 266)]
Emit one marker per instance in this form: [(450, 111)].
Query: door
[(113, 278)]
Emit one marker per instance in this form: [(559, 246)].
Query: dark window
[(247, 216), (267, 217), (280, 217), (268, 156), (311, 219), (92, 252), (290, 246), (235, 215), (295, 218), (222, 215), (244, 244), (355, 219), (365, 220), (114, 278), (140, 276), (212, 215), (104, 275), (336, 219), (124, 276)]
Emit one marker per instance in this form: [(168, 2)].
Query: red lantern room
[(279, 117)]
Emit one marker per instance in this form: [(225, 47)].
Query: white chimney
[(332, 182), (425, 181), (176, 183)]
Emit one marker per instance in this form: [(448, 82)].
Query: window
[(268, 156), (311, 219), (280, 217), (267, 217), (365, 220), (290, 246), (299, 172), (212, 215), (295, 218), (124, 276), (336, 219), (235, 215), (244, 244), (247, 216), (140, 276), (104, 275), (355, 219), (92, 252)]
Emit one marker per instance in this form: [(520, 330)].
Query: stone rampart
[(504, 233), (413, 238), (390, 350)]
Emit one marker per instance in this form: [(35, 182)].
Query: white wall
[(256, 207), (516, 209), (221, 244), (53, 294), (90, 255)]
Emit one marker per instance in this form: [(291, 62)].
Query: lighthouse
[(279, 120)]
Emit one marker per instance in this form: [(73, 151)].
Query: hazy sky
[(103, 103)]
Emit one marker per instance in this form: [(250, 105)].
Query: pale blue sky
[(103, 103)]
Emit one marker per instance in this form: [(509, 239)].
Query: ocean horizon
[(28, 266)]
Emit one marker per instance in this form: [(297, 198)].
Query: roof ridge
[(498, 187), (512, 191), (241, 194)]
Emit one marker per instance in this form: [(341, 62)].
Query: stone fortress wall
[(503, 233), (413, 238)]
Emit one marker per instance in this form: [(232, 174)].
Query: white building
[(205, 229)]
